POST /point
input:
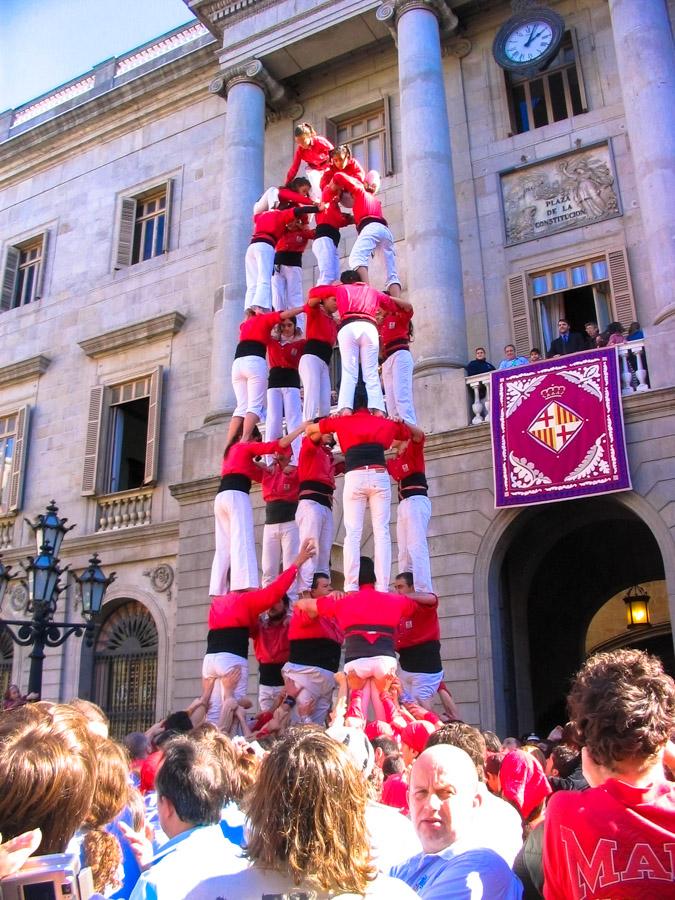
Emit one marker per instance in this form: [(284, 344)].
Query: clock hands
[(533, 36)]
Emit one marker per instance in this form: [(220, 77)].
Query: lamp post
[(42, 574)]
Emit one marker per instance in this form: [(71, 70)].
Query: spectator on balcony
[(616, 331), (535, 355), (592, 331), (511, 359), (479, 365), (635, 332), (566, 342)]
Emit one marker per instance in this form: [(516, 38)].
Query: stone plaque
[(564, 192)]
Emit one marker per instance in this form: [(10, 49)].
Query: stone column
[(242, 185), (430, 212), (645, 54)]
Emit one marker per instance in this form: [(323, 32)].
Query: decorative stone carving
[(161, 578), (18, 598), (392, 10), (459, 47), (277, 96)]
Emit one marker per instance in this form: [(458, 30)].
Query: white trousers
[(372, 488), (397, 375), (267, 696), (372, 666), (412, 522), (314, 177), (418, 686), (235, 544), (286, 287), (280, 546), (359, 342), (315, 683), (375, 237), (259, 263), (315, 378), (314, 521), (249, 381), (215, 665), (327, 259), (269, 200), (284, 403)]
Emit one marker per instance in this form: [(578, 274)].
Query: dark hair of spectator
[(350, 276), (492, 742), (192, 778), (136, 744), (407, 577), (366, 571), (393, 765), (386, 744), (467, 738), (316, 578), (565, 759)]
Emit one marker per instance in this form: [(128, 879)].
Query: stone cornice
[(153, 329), (24, 370), (277, 95), (195, 491)]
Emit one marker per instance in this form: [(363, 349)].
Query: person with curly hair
[(311, 839), (616, 839)]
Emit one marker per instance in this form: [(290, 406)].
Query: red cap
[(523, 781), (416, 734), (377, 728)]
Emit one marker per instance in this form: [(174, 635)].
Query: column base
[(440, 399)]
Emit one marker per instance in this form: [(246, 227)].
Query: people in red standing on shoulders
[(321, 335), (395, 330), (314, 150), (271, 648), (283, 383), (327, 237)]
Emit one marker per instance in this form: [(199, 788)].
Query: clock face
[(528, 42)]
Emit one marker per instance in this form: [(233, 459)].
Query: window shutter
[(620, 286), (330, 131), (92, 441), (580, 74), (154, 417), (388, 137), (167, 216), (520, 319), (9, 277), (43, 265), (125, 239), (16, 477)]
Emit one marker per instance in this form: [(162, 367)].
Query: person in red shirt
[(314, 656), (284, 353), (363, 439), (287, 274), (233, 617), (280, 540), (327, 237), (295, 193), (369, 619), (314, 150), (268, 228), (418, 641), (395, 330), (321, 334), (374, 235), (358, 306), (341, 160), (316, 472), (271, 648), (414, 509)]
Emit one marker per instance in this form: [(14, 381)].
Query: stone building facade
[(125, 203)]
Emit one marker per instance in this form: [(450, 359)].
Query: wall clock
[(528, 41)]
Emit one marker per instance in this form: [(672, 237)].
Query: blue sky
[(44, 43)]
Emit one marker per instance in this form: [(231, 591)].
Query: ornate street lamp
[(637, 607), (42, 574)]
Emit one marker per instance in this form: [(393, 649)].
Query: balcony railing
[(128, 509), (632, 369)]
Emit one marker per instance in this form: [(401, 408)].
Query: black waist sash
[(270, 674), (235, 482), (423, 658), (278, 511), (322, 349), (321, 652), (369, 220), (394, 346), (413, 485), (282, 376), (328, 231), (250, 348), (228, 640), (288, 258), (357, 647), (364, 455)]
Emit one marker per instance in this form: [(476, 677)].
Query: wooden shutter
[(9, 277), (154, 418), (43, 264), (388, 137), (520, 317), (125, 238), (330, 131), (167, 215), (580, 74), (16, 478), (93, 441), (623, 302)]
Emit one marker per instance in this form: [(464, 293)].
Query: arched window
[(125, 668), (6, 660)]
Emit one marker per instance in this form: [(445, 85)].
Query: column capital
[(253, 71), (391, 11)]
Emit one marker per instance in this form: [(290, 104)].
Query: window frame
[(127, 220), (17, 471), (11, 270), (98, 447), (362, 113)]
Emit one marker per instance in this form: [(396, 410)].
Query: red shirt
[(316, 463), (420, 627), (367, 607), (294, 240), (395, 326), (366, 205), (241, 609), (332, 215), (286, 355), (409, 462), (270, 641), (358, 299), (316, 156), (364, 428), (305, 628), (353, 169), (259, 327), (320, 325), (286, 195), (280, 485), (270, 225), (239, 460)]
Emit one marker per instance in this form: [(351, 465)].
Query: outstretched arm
[(291, 436)]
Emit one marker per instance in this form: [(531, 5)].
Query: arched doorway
[(560, 564), (125, 668), (6, 661)]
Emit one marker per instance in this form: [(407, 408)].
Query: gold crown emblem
[(554, 392)]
